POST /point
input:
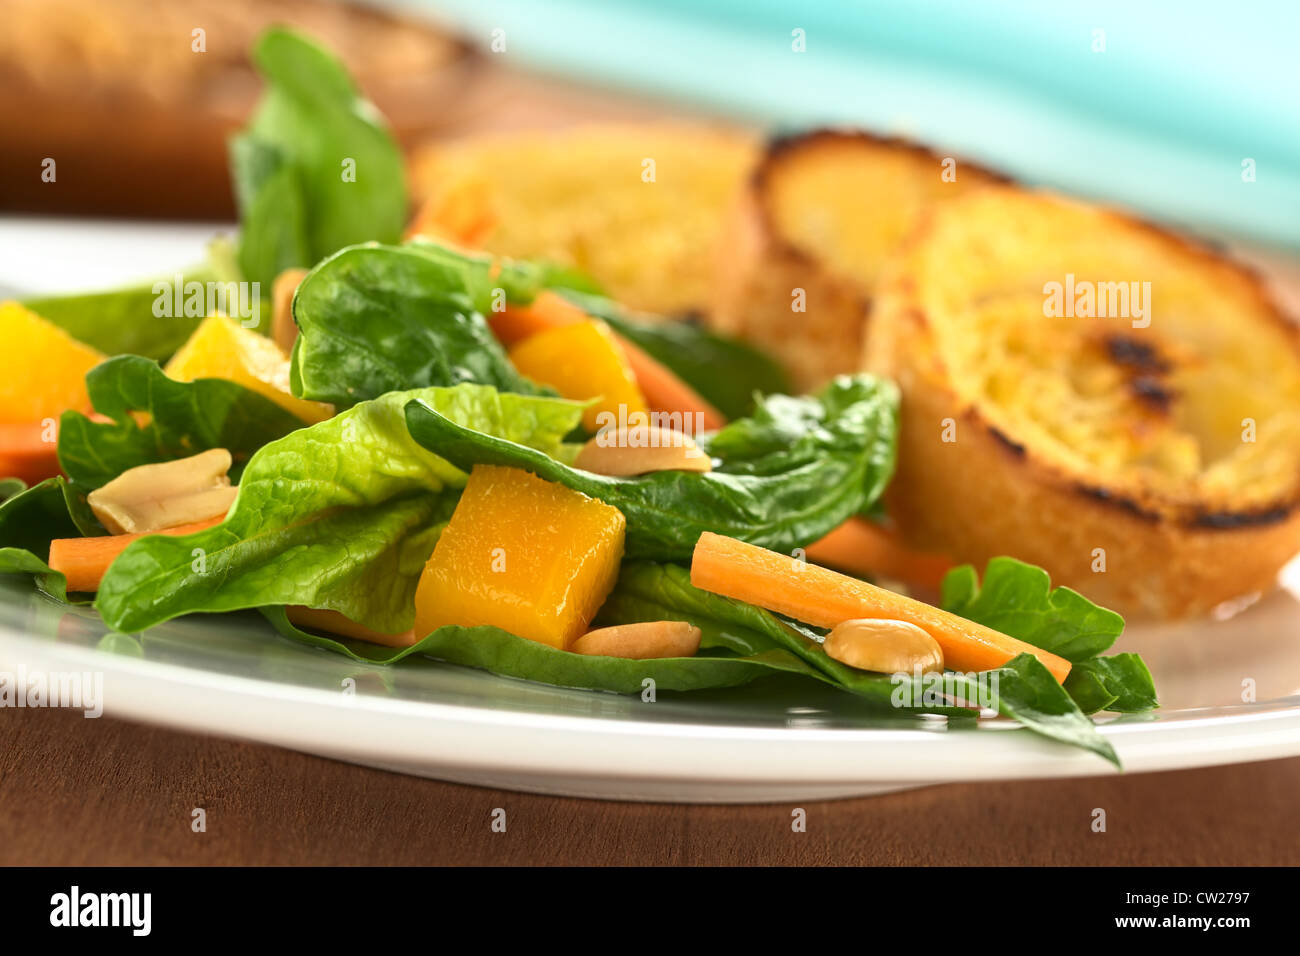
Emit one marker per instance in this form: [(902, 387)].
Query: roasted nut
[(645, 641), (641, 449), (886, 646), (167, 494), (284, 331)]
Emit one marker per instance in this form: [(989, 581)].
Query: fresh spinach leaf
[(316, 169), (124, 320), (1018, 599), (181, 419), (376, 319), (341, 515), (1026, 691), (1120, 683), (29, 521), (778, 496), (726, 372), (500, 652)]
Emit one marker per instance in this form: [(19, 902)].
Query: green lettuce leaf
[(183, 418), (376, 319), (341, 515), (293, 164), (776, 494)]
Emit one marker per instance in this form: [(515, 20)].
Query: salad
[(415, 448)]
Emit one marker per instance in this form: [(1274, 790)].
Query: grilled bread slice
[(639, 208), (1092, 394), (808, 236)]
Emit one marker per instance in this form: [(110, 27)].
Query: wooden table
[(106, 792)]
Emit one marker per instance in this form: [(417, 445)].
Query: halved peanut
[(164, 495), (886, 646), (641, 449), (283, 329), (644, 641)]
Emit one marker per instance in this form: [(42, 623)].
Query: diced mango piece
[(525, 555), (222, 348), (42, 368), (581, 361)]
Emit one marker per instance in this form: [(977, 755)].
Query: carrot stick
[(84, 561), (825, 598), (321, 619), (866, 548), (25, 453), (463, 215), (662, 389)]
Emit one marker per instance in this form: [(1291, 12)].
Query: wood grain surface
[(105, 792)]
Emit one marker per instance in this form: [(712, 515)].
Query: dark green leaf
[(184, 418), (376, 319), (777, 496), (1120, 683), (292, 164), (1018, 599), (1025, 690), (29, 521), (500, 652)]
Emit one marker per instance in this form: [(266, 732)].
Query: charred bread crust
[(762, 263), (1145, 546)]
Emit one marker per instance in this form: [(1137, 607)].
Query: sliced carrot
[(333, 622), (464, 215), (663, 390), (869, 549), (826, 598), (84, 561), (29, 450), (547, 311), (284, 331)]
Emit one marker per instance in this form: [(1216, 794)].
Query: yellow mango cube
[(42, 368), (583, 361), (222, 348), (531, 557)]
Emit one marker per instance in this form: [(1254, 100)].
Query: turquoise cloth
[(1161, 121)]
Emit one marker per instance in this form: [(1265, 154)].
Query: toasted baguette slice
[(639, 208), (1150, 460), (818, 219)]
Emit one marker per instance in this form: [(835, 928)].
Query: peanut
[(641, 449), (644, 641), (886, 646), (163, 495)]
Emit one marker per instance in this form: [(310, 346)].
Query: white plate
[(779, 740)]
